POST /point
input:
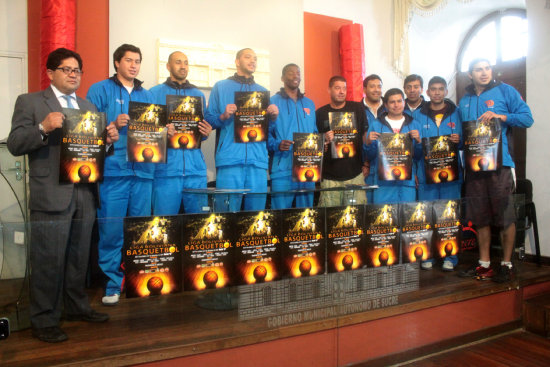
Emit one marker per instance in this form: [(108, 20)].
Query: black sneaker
[(468, 272), (477, 271), (52, 334), (505, 274)]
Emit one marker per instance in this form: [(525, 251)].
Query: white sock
[(507, 263), (485, 264)]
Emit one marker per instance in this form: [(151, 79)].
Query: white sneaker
[(111, 300), (448, 266), (426, 265)]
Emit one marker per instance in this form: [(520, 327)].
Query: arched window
[(500, 37)]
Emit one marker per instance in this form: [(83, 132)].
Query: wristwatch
[(42, 131)]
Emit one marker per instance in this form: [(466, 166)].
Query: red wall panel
[(321, 54), (92, 42)]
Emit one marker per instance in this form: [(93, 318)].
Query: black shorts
[(489, 198)]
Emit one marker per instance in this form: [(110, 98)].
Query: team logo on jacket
[(451, 124), (306, 110), (490, 103)]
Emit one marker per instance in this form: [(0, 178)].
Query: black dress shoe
[(92, 316), (52, 334)]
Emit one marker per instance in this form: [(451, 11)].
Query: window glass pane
[(483, 44), (513, 37)]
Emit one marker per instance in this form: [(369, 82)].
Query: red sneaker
[(483, 273), (478, 272)]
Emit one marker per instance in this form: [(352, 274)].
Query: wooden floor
[(152, 329), (518, 349)]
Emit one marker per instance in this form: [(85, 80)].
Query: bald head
[(178, 66)]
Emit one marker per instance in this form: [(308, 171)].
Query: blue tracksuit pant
[(120, 197)]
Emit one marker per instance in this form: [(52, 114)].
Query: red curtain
[(57, 29), (352, 59)]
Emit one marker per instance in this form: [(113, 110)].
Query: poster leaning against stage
[(416, 231), (303, 242), (207, 251), (345, 238), (440, 159), (307, 157), (82, 153), (447, 227), (146, 133), (251, 121), (346, 141), (257, 247), (382, 234), (395, 157), (482, 145), (185, 112), (152, 255)]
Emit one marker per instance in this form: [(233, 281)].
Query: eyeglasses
[(68, 71)]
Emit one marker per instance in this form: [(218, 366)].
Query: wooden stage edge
[(444, 312)]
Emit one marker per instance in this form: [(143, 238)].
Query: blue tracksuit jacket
[(294, 117), (111, 97), (502, 99), (179, 162)]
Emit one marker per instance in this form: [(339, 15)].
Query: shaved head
[(175, 54), (178, 66)]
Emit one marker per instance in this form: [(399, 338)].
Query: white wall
[(376, 18), (538, 80), (13, 82), (13, 58), (275, 26)]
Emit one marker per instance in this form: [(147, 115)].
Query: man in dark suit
[(62, 214)]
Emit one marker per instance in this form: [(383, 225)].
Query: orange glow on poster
[(82, 171), (482, 163), (252, 134), (419, 249), (163, 284), (147, 153), (395, 173), (346, 150), (209, 277), (448, 248), (308, 174), (443, 175), (258, 272), (379, 255), (304, 266), (179, 140), (348, 260)]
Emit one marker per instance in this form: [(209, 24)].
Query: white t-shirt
[(395, 124)]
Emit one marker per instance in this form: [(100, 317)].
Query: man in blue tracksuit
[(126, 188), (393, 121), (239, 165), (296, 115), (184, 168), (489, 194), (413, 87), (438, 117), (374, 108)]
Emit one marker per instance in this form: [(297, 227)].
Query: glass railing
[(272, 268)]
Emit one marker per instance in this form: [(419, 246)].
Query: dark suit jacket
[(46, 193)]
